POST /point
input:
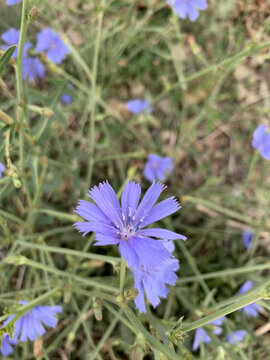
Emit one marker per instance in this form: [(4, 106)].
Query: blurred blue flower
[(158, 167), (153, 280), (67, 98), (261, 141), (29, 326), (32, 69), (123, 224), (12, 37), (13, 2), (251, 310), (139, 105), (7, 344), (202, 336), (236, 337), (185, 8), (2, 169), (50, 42), (246, 238)]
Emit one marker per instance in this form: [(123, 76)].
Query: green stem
[(246, 300), (58, 250), (222, 210), (22, 260), (221, 273), (122, 277), (152, 340), (20, 110), (93, 102)]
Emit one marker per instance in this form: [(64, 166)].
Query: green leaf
[(4, 60)]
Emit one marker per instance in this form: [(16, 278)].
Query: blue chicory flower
[(13, 2), (52, 44), (158, 167), (187, 8), (32, 69), (138, 106), (124, 224), (261, 141), (236, 337), (12, 37), (2, 169), (67, 98), (202, 336), (30, 326), (153, 280), (251, 310), (247, 236), (7, 344)]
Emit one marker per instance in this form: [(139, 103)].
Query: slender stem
[(122, 277), (20, 110), (58, 250), (93, 102), (246, 300)]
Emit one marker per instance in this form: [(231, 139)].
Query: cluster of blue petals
[(247, 237), (138, 106), (253, 309), (2, 169), (48, 42), (187, 8), (30, 325), (124, 225), (158, 168), (13, 2), (261, 141), (201, 335)]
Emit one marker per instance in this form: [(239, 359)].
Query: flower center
[(155, 165)]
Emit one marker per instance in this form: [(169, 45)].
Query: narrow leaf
[(4, 60)]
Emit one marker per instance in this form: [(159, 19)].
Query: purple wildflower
[(246, 238), (12, 37), (158, 167), (202, 336), (261, 141), (67, 98), (153, 280), (187, 8), (13, 2), (123, 224), (52, 44), (29, 326), (137, 106), (32, 69), (237, 336), (2, 169), (251, 310), (7, 344)]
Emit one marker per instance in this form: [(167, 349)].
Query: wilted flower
[(123, 224), (12, 37), (7, 344), (52, 44), (32, 68), (202, 336), (153, 280), (251, 310), (139, 105), (13, 2), (2, 169), (158, 167), (29, 326), (246, 238), (236, 337), (185, 8), (261, 141)]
